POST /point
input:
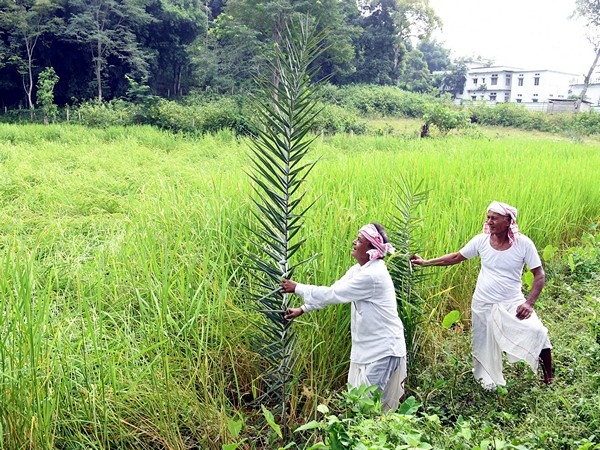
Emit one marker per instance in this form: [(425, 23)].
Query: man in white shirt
[(502, 319), (378, 355)]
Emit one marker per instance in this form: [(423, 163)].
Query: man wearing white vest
[(503, 320)]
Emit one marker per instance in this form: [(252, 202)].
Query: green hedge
[(342, 111), (517, 116), (382, 100)]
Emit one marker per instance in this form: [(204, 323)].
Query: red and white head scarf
[(370, 233), (504, 210)]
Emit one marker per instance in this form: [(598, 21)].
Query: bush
[(503, 114), (517, 116), (383, 100), (335, 119), (207, 117), (444, 118), (585, 123), (115, 112)]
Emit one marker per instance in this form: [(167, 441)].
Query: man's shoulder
[(479, 238), (375, 267), (524, 240)]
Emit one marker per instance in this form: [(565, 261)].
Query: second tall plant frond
[(404, 223), (286, 112)]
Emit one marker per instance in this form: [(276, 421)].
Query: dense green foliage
[(178, 47), (123, 323)]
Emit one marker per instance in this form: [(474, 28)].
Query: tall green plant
[(404, 226), (45, 94), (286, 113)]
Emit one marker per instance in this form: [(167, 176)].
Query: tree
[(26, 21), (246, 32), (389, 26), (47, 79), (435, 55), (589, 11), (415, 75), (177, 26), (453, 79), (109, 28)]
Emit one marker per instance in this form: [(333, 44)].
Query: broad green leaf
[(323, 409), (549, 252), (234, 427), (527, 279), (308, 426), (271, 421), (409, 406), (232, 446), (450, 319)]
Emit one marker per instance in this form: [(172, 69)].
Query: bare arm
[(447, 260), (539, 280)]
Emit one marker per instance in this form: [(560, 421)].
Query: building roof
[(477, 70)]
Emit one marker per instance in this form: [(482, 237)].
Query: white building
[(593, 91), (501, 84)]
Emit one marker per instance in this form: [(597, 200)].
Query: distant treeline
[(100, 49)]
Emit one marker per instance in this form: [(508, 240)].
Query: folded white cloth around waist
[(497, 329)]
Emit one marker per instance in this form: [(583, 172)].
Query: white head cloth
[(372, 235), (504, 209)]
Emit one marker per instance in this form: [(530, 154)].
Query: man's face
[(360, 245), (497, 223)]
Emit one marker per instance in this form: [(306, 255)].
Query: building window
[(506, 96), (518, 100), (519, 95), (494, 79), (520, 81), (536, 81), (508, 80), (493, 96), (534, 100), (483, 81), (474, 80), (473, 97)]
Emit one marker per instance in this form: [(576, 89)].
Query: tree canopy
[(176, 47)]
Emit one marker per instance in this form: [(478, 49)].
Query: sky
[(530, 34)]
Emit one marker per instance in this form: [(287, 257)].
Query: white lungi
[(497, 329)]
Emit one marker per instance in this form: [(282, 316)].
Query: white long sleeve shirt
[(377, 330)]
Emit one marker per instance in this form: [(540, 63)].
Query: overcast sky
[(531, 34)]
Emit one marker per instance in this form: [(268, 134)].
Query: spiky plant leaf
[(403, 231), (286, 112)]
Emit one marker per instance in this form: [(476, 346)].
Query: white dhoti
[(497, 329), (388, 373)]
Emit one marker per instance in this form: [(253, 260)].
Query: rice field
[(123, 323)]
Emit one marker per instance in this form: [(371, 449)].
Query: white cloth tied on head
[(371, 234), (504, 209)]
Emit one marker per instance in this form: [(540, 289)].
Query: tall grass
[(122, 322)]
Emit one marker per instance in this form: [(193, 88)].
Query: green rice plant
[(131, 242), (286, 113)]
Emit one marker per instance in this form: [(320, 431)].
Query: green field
[(123, 323)]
